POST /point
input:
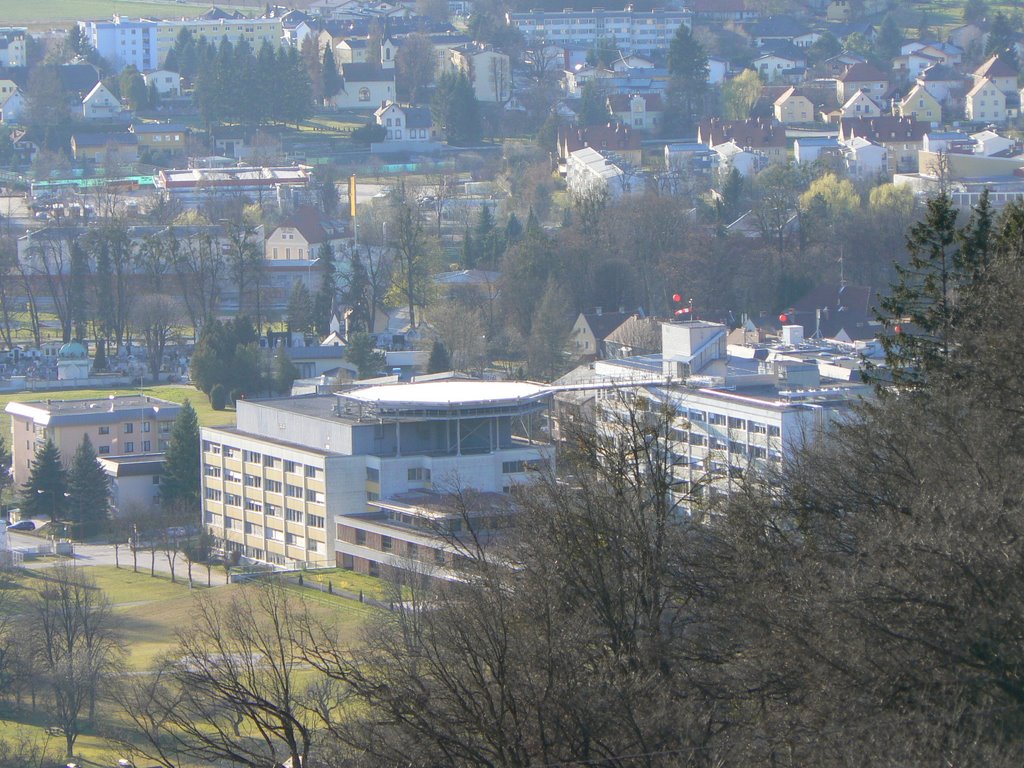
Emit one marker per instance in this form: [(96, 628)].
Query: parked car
[(22, 525)]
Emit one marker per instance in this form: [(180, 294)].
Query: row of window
[(412, 550), (271, 462), (129, 447)]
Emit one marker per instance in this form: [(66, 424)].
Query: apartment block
[(145, 43), (119, 425), (633, 31), (373, 478)]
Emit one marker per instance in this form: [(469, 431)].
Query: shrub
[(218, 397)]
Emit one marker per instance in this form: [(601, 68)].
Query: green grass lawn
[(33, 12), (151, 611)]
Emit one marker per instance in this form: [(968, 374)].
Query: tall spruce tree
[(179, 489), (933, 292), (687, 85), (5, 466), (45, 492), (88, 491)]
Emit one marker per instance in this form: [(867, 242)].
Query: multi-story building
[(119, 425), (12, 46), (735, 408), (146, 42), (367, 478), (632, 31)]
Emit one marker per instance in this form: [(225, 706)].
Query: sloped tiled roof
[(859, 73), (366, 73), (995, 67), (620, 102), (882, 129)]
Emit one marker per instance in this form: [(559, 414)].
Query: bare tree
[(74, 637), (158, 318), (235, 689)]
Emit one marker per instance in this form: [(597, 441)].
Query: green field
[(151, 611), (35, 13)]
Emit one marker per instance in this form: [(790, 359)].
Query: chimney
[(598, 311)]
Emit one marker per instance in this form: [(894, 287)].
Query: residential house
[(101, 104), (902, 137), (764, 136), (13, 46), (636, 336), (589, 174), (812, 148), (774, 29), (836, 65), (946, 142), (11, 107), (134, 481), (999, 73), (166, 82), (985, 102), (301, 236), (12, 79), (489, 71), (611, 137), (861, 77), (108, 150), (794, 107), (690, 158), (588, 334), (732, 157), (944, 53), (773, 67), (921, 105), (641, 112), (967, 37), (718, 70), (364, 86), (625, 63), (860, 104), (352, 51), (991, 144), (163, 139), (946, 84), (406, 123), (864, 159), (913, 64)]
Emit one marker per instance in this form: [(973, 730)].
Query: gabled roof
[(620, 102), (17, 75), (778, 26), (311, 224), (995, 67), (756, 134), (366, 73), (884, 128), (859, 73), (859, 95), (218, 14), (418, 117), (940, 72), (610, 136), (97, 90), (842, 308), (982, 83), (601, 325)]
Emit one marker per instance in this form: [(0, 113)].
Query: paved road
[(103, 554)]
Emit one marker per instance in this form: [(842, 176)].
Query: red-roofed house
[(902, 137), (300, 236), (611, 137), (642, 112), (764, 136)]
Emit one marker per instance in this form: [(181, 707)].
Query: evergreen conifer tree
[(439, 361), (88, 491), (179, 488), (43, 494)]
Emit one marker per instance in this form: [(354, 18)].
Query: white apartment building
[(633, 31), (12, 46), (367, 479), (146, 42)]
